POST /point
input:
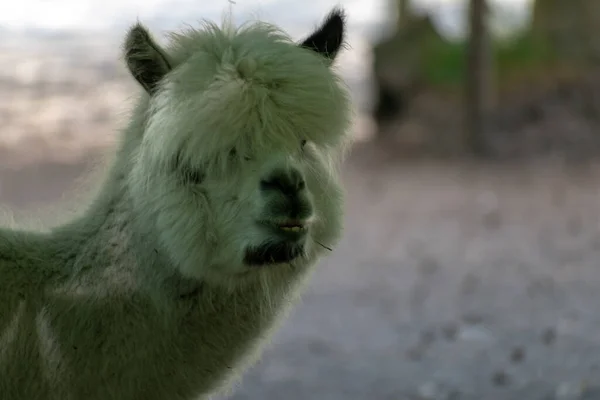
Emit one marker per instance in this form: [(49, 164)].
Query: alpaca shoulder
[(26, 261), (16, 273), (17, 251)]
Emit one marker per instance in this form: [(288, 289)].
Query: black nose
[(288, 182)]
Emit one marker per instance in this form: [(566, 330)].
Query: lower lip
[(294, 229), (293, 234)]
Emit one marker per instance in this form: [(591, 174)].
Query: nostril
[(287, 183), (271, 184)]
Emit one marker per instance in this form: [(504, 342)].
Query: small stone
[(490, 210), (430, 391), (472, 318), (517, 355), (436, 391), (492, 220), (415, 353), (450, 331), (500, 378), (549, 336), (454, 395), (427, 337), (319, 347), (429, 266), (476, 334), (570, 390), (469, 284)]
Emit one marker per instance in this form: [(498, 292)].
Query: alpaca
[(224, 193)]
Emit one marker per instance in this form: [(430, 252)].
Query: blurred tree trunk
[(479, 96), (397, 61), (403, 12)]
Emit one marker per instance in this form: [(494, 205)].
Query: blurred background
[(470, 264)]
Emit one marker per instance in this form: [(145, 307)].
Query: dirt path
[(452, 282)]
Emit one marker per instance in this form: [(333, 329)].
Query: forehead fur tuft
[(250, 87)]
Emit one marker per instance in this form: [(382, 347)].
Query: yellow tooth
[(291, 228)]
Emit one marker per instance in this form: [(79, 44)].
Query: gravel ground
[(452, 282)]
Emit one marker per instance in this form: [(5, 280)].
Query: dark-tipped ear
[(146, 61), (329, 37)]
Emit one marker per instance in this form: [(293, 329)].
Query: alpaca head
[(236, 171)]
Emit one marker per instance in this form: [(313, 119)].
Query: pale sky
[(97, 14)]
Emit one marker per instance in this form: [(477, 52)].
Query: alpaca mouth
[(291, 226), (287, 229), (286, 242), (273, 253)]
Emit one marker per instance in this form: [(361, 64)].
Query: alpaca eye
[(185, 172), (233, 153), (303, 143), (192, 175)]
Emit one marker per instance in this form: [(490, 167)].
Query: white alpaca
[(223, 195)]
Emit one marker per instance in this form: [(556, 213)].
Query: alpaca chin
[(270, 253)]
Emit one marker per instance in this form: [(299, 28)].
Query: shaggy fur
[(223, 195)]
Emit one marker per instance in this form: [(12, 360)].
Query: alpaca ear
[(329, 37), (146, 61)]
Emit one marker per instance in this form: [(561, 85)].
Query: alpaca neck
[(108, 229)]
